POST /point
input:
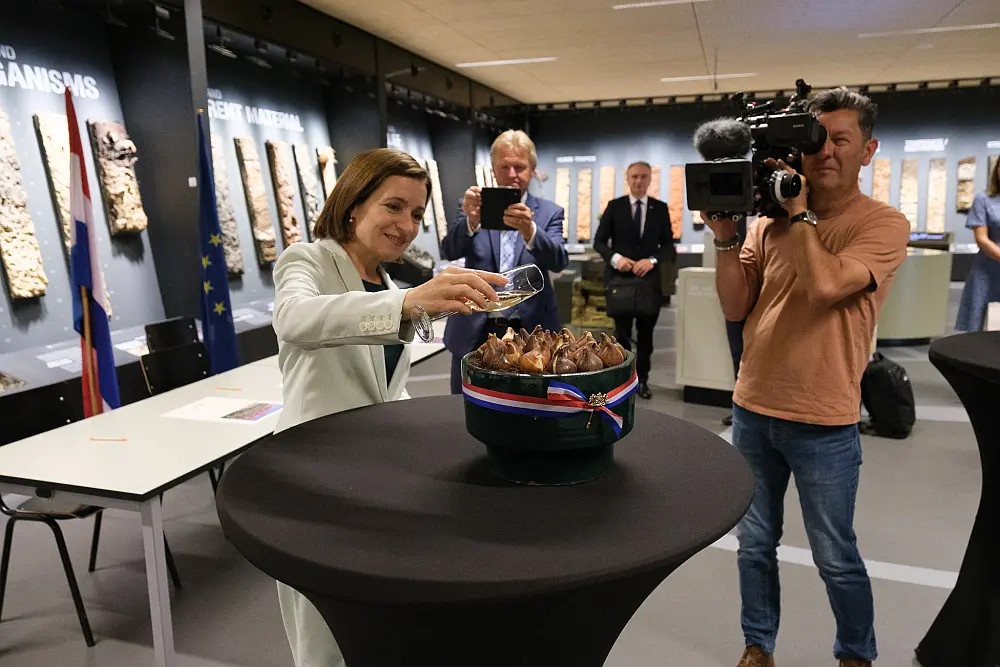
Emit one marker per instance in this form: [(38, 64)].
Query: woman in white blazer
[(342, 325)]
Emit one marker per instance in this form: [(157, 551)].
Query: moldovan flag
[(90, 308)]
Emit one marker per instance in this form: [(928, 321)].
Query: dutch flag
[(90, 307)]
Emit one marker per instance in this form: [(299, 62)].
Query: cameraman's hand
[(799, 204), (724, 228), (625, 265), (471, 205), (448, 291)]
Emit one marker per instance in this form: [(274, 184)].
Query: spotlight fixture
[(922, 85), (649, 100), (260, 62), (572, 105), (161, 14), (221, 47), (986, 82), (953, 83), (863, 90), (891, 88), (623, 103)]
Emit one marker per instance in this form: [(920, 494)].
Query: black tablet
[(494, 202)]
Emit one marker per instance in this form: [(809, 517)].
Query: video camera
[(729, 185)]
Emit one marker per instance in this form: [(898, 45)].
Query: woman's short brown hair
[(363, 176)]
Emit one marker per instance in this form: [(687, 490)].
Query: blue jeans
[(825, 461)]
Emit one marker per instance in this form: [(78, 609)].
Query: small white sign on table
[(227, 410)]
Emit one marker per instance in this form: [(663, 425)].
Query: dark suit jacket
[(482, 251), (618, 233)]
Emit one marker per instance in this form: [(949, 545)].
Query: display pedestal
[(704, 363), (916, 309)]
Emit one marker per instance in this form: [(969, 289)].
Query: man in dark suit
[(634, 237), (534, 237)]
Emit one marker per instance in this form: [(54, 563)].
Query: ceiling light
[(707, 77), (518, 61), (930, 31), (655, 3)]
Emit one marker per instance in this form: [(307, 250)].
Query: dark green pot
[(547, 450)]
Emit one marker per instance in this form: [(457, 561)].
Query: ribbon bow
[(563, 400)]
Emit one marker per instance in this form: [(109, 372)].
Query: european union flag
[(216, 310)]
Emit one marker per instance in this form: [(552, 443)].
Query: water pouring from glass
[(523, 282)]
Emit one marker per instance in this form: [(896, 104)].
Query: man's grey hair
[(638, 164), (836, 99), (516, 140)]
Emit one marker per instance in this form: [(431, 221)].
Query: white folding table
[(126, 458)]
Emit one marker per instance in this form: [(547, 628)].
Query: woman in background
[(983, 284), (341, 323)]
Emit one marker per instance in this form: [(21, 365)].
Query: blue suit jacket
[(482, 251)]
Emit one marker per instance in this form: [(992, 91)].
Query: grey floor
[(915, 509)]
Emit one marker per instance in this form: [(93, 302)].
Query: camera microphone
[(721, 139)]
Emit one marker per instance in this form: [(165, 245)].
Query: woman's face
[(388, 221)]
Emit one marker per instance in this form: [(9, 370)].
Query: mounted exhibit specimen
[(224, 207), (438, 199), (328, 168), (584, 194), (308, 184), (253, 188), (279, 159), (22, 258), (115, 154)]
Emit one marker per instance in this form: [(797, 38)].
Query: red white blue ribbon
[(563, 400)]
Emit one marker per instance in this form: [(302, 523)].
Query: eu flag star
[(205, 263), (207, 286), (215, 239), (219, 308)]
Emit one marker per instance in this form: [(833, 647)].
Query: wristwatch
[(653, 260), (806, 216)]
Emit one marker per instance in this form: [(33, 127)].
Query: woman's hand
[(449, 291)]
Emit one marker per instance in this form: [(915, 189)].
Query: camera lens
[(785, 185)]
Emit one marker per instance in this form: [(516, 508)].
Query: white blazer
[(331, 334)]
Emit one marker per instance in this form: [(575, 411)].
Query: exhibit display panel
[(39, 59), (409, 131), (271, 131)]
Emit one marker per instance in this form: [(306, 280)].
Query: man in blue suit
[(534, 237)]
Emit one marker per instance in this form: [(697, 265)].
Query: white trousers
[(309, 636)]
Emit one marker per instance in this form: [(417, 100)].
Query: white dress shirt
[(642, 221)]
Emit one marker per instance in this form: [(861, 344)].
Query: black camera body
[(729, 185)]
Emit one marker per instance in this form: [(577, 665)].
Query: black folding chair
[(174, 332), (48, 512)]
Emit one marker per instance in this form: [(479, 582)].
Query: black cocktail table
[(388, 521), (966, 632)]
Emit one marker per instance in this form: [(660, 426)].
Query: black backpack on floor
[(888, 397)]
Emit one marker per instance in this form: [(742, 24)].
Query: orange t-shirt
[(802, 361)]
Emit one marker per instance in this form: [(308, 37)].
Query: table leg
[(156, 578), (577, 627)]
